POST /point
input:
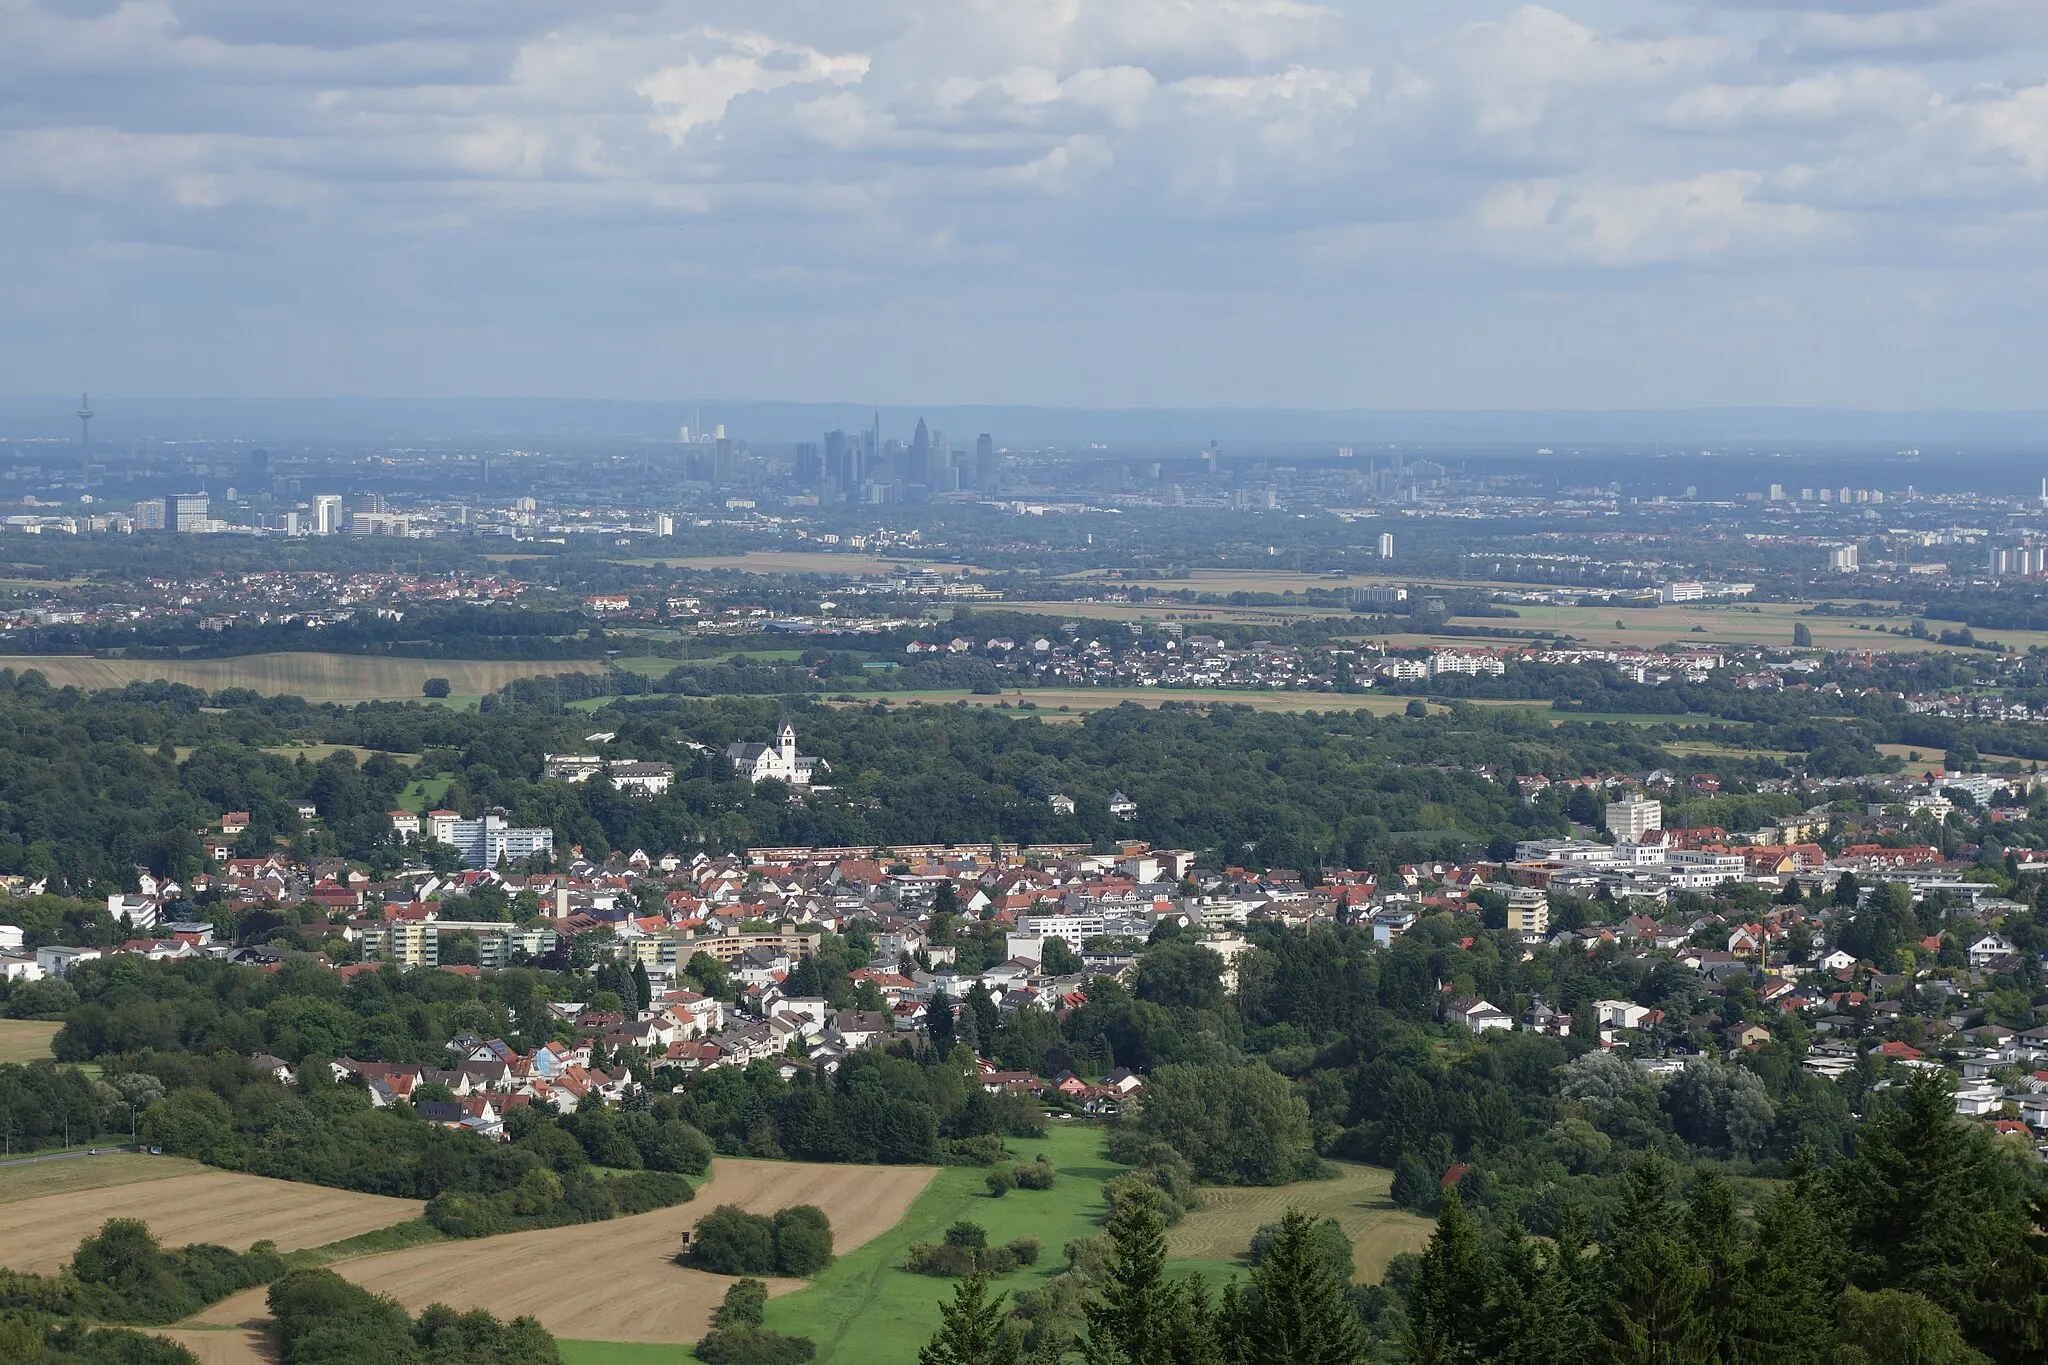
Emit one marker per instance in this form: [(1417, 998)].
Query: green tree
[(971, 1329), (1132, 1321), (1298, 1310), (1653, 1278), (1893, 1327), (1450, 1282)]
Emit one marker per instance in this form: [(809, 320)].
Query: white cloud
[(1657, 222), (697, 93)]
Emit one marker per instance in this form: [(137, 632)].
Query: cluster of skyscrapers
[(862, 467)]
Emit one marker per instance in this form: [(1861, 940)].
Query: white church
[(780, 760)]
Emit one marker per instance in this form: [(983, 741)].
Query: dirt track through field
[(618, 1281), (239, 1346), (316, 677), (232, 1210)]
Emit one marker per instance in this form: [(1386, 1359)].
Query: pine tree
[(1132, 1324), (1653, 1280), (1198, 1329), (1299, 1312), (1795, 1272), (971, 1330), (1718, 1240), (938, 1017), (1562, 1307), (1444, 1305)]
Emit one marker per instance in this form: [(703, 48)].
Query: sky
[(1437, 204)]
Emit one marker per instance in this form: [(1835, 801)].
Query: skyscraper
[(327, 514), (1386, 545), (985, 463), (920, 471)]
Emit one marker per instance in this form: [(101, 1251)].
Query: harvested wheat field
[(26, 1040), (618, 1281), (225, 1346), (316, 677), (34, 1180), (217, 1206), (1222, 1229)]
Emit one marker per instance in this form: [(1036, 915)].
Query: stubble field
[(237, 1211), (26, 1040), (1218, 1233), (618, 1281), (316, 677)]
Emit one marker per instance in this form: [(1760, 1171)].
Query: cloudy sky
[(1358, 203)]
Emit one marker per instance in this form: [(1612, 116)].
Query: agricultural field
[(211, 1206), (313, 753), (1050, 700), (1148, 612), (618, 1280), (422, 794), (34, 1180), (224, 1346), (865, 1309), (316, 677), (1280, 581), (805, 562), (25, 1040), (1214, 1237)]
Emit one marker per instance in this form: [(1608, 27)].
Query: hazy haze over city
[(1097, 203)]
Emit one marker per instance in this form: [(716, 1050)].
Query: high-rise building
[(327, 514), (149, 515), (841, 462), (186, 511), (1777, 492), (985, 463), (664, 524), (721, 458), (1842, 559), (1629, 821), (1386, 545), (809, 466), (919, 470)]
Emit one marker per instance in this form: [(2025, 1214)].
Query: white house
[(1621, 1014), (644, 779), (1478, 1015), (779, 761), (1990, 948)]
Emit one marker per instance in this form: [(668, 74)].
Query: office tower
[(664, 524), (940, 468), (985, 463), (1386, 545), (838, 474), (327, 514), (149, 515), (919, 465), (869, 457), (721, 458), (186, 511)]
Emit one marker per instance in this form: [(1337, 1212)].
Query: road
[(66, 1156)]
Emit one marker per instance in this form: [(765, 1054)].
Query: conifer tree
[(1653, 1279), (971, 1330), (1298, 1311), (1132, 1324), (1445, 1304)]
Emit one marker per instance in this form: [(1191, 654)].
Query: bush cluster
[(120, 1274), (543, 1199), (797, 1241), (322, 1319), (966, 1251), (1036, 1174), (738, 1338)]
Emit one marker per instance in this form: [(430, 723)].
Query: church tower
[(785, 741)]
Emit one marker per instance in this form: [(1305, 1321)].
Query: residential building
[(1629, 820)]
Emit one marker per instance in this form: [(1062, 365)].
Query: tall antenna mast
[(85, 438)]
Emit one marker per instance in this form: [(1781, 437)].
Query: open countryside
[(24, 1040), (316, 677), (34, 1179), (237, 1211), (618, 1280), (1218, 1233)]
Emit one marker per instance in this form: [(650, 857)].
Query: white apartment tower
[(327, 514)]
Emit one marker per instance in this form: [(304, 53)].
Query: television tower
[(85, 438)]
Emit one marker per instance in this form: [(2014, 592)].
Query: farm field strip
[(1048, 700), (73, 1174), (316, 677), (216, 1206), (866, 1309), (26, 1040), (236, 1346), (618, 1280), (804, 562), (1218, 1233)]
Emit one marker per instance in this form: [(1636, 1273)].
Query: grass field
[(865, 1309), (89, 1173), (1214, 1237), (24, 1040), (1049, 700), (618, 1280), (1147, 612), (316, 677), (804, 562), (424, 793), (209, 1206), (624, 1353)]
